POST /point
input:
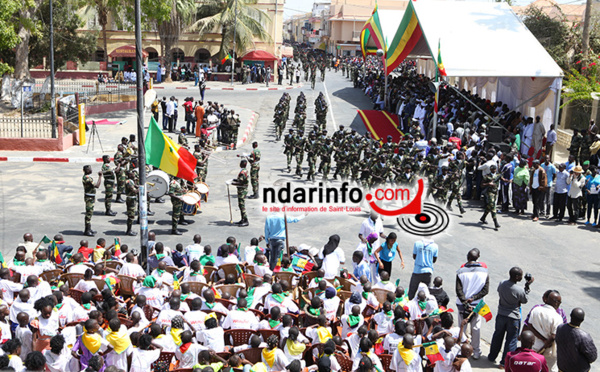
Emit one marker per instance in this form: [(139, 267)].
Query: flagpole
[(233, 51), (142, 205), (436, 102)]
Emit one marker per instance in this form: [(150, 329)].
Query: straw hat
[(578, 169)]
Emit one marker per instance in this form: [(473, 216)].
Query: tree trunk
[(168, 60), (105, 45), (22, 49), (221, 54), (586, 29)]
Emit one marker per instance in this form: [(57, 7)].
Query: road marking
[(335, 127)]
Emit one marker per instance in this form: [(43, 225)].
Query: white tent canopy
[(487, 49)]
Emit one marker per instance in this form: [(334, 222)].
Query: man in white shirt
[(8, 287), (240, 318), (165, 316), (196, 250), (130, 268), (373, 224), (170, 113), (409, 361), (277, 298), (543, 322), (29, 245)]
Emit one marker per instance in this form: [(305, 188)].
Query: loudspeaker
[(504, 147), (495, 134)]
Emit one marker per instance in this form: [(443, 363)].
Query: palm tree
[(220, 14), (169, 31), (102, 9)]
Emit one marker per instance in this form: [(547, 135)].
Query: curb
[(249, 129), (38, 159), (283, 87)]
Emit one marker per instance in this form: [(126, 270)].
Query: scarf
[(319, 292), (119, 340), (210, 305), (400, 300), (204, 259), (369, 249), (366, 295), (315, 312), (295, 348), (176, 334), (353, 320), (244, 309), (59, 306), (323, 334), (274, 323), (42, 260), (250, 296), (422, 305), (160, 256), (184, 296), (288, 270), (389, 313), (160, 272), (183, 348), (91, 341), (18, 263), (149, 281), (195, 273), (87, 306), (406, 354), (278, 297), (269, 356)]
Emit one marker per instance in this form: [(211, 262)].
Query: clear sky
[(293, 7)]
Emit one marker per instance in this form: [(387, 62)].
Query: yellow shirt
[(98, 254)]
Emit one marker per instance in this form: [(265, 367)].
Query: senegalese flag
[(484, 310), (406, 38), (302, 264), (117, 247), (1, 260), (227, 57), (440, 64), (239, 270), (433, 352), (217, 294), (375, 32), (278, 265), (56, 253), (176, 284), (163, 153)]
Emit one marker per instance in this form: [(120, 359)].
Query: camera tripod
[(94, 134)]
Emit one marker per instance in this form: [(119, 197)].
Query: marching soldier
[(311, 150), (440, 186), (456, 180), (576, 140), (288, 143), (254, 169), (490, 183), (131, 192), (120, 162), (234, 124), (181, 139), (89, 196), (201, 162), (176, 191), (325, 153), (299, 147), (242, 190), (109, 184)]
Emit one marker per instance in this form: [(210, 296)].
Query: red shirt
[(525, 360), (456, 141), (85, 251)]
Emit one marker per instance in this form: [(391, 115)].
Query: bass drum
[(157, 183), (191, 202), (202, 189)]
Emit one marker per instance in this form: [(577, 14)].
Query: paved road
[(46, 198)]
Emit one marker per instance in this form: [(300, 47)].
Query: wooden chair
[(381, 294), (115, 265), (164, 357), (126, 285), (237, 337), (197, 287), (50, 275), (209, 272), (345, 362), (249, 279), (227, 269), (76, 294), (289, 277), (232, 289), (227, 303), (265, 333), (72, 279), (345, 283), (385, 359), (172, 269), (253, 355)]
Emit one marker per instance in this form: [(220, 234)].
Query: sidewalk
[(226, 85), (109, 136)]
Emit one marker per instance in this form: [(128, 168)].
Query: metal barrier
[(25, 128)]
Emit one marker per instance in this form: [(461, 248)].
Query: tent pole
[(557, 111), (385, 89), (435, 109)]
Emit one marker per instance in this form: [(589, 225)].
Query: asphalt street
[(46, 198)]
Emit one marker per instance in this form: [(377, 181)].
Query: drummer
[(176, 191)]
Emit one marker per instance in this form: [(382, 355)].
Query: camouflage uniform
[(311, 150), (176, 191), (288, 142), (440, 188), (121, 175), (89, 196), (254, 170), (182, 140), (491, 192), (585, 152), (325, 153), (109, 185), (242, 192), (575, 145), (456, 180), (131, 192), (234, 124), (299, 147)]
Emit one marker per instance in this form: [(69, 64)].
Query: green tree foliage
[(220, 15), (69, 45), (8, 34)]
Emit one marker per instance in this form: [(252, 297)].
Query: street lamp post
[(52, 90)]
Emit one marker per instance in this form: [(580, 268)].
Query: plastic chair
[(381, 294), (253, 355), (164, 356), (385, 359), (232, 289), (76, 294), (116, 265), (50, 275), (172, 269), (197, 287), (237, 337), (126, 285), (72, 279), (345, 362)]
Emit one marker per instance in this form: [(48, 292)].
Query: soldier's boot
[(110, 212), (160, 200), (482, 220), (289, 169), (129, 231), (496, 224), (183, 221), (88, 230), (449, 206), (462, 210), (119, 199), (243, 222), (150, 213), (175, 232)]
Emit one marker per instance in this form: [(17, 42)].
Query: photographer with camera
[(508, 320)]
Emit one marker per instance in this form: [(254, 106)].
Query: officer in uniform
[(234, 124), (201, 160), (456, 179), (490, 183), (325, 153), (242, 190), (440, 186), (299, 147), (131, 192), (89, 196), (254, 169), (181, 139), (109, 184), (576, 140), (120, 162), (311, 150), (584, 152), (176, 191)]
